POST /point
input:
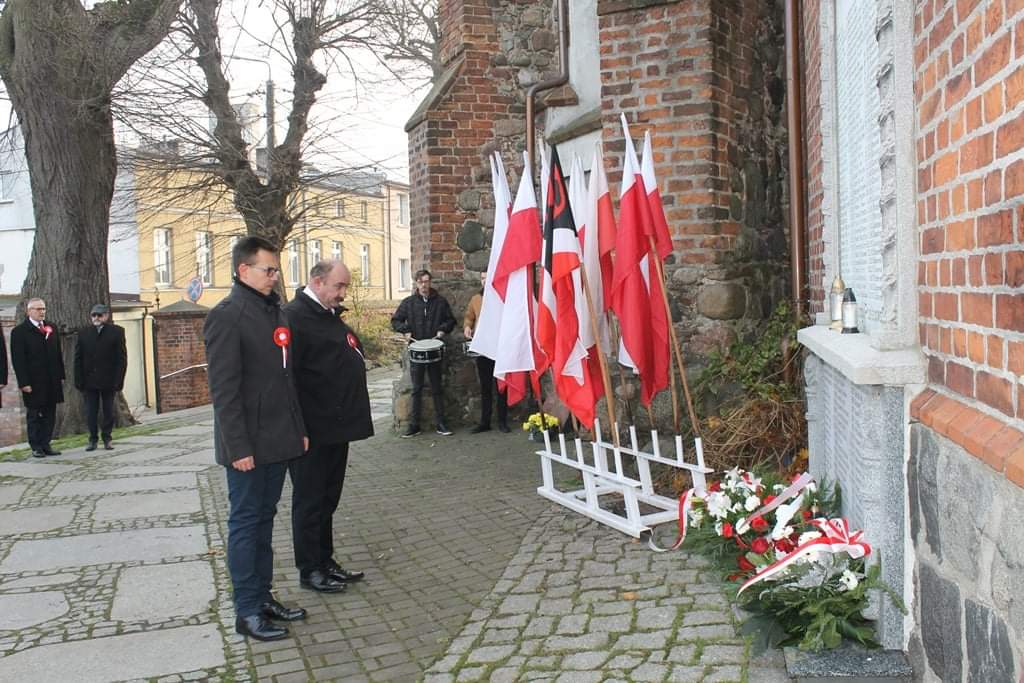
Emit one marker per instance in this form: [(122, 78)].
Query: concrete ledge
[(854, 357), (849, 663)]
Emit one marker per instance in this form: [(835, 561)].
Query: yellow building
[(184, 235)]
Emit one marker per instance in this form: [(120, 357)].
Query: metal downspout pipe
[(561, 79), (797, 196)]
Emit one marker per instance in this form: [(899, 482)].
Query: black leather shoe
[(338, 573), (91, 446), (256, 626), (272, 609), (38, 454), (443, 430), (107, 446), (412, 431), (50, 451), (503, 428), (321, 582), (480, 428)]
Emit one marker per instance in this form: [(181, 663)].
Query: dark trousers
[(488, 386), (253, 497), (39, 423), (317, 480), (417, 371), (93, 398)]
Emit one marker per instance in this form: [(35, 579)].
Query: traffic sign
[(195, 289)]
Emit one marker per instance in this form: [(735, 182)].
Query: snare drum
[(467, 352), (426, 351)]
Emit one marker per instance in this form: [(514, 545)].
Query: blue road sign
[(195, 289)]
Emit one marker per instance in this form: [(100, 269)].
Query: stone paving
[(112, 568)]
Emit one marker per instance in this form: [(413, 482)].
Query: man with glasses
[(424, 315), (258, 427), (37, 361), (101, 361)]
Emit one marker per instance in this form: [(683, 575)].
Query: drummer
[(484, 369), (424, 315)]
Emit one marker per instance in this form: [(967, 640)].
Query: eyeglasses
[(97, 315), (269, 270)]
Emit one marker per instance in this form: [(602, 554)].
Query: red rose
[(744, 563), (784, 545), (716, 486), (806, 514), (758, 524), (727, 530), (760, 545), (767, 500)]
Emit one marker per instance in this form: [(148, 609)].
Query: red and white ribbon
[(684, 513), (798, 485), (283, 337), (836, 538), (47, 331)]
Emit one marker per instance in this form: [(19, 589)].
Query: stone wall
[(12, 423), (178, 339), (965, 523), (707, 78)]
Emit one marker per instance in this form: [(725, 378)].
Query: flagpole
[(615, 341), (674, 338), (602, 361)]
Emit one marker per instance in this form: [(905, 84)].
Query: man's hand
[(407, 336), (305, 444), (244, 464), (440, 333), (27, 389), (467, 332)]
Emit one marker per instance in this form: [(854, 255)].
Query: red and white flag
[(558, 323), (487, 337), (517, 353), (598, 240), (586, 229), (662, 236), (636, 291)]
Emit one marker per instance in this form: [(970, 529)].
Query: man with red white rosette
[(330, 376), (36, 357)]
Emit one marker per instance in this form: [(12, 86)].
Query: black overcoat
[(330, 374), (38, 363), (101, 358), (3, 359), (255, 408), (423, 319)]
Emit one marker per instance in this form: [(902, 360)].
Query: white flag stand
[(599, 479)]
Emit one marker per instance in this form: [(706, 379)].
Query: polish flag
[(486, 339), (636, 292), (517, 353), (662, 237), (558, 322), (586, 228)]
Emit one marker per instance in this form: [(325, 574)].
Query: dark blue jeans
[(253, 496)]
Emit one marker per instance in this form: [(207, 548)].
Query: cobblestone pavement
[(112, 568)]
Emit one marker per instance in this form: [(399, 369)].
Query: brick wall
[(707, 79), (810, 52), (179, 343), (969, 60), (12, 423)]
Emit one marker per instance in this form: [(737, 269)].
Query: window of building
[(404, 276), (364, 262), (204, 256), (314, 252), (336, 250), (162, 257), (294, 266), (403, 209), (7, 179), (364, 211), (339, 208)]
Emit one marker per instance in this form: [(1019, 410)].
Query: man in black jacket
[(101, 361), (425, 315), (257, 429), (330, 376), (36, 357)]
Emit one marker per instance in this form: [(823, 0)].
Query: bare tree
[(60, 62), (412, 35)]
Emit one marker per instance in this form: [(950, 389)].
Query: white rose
[(849, 580), (808, 536), (752, 503)]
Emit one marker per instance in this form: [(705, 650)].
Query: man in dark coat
[(257, 429), (101, 361), (37, 361), (330, 376), (424, 315)]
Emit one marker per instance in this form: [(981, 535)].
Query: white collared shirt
[(311, 295)]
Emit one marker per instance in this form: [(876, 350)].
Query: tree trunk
[(60, 63)]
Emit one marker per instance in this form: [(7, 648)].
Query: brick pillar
[(178, 339)]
